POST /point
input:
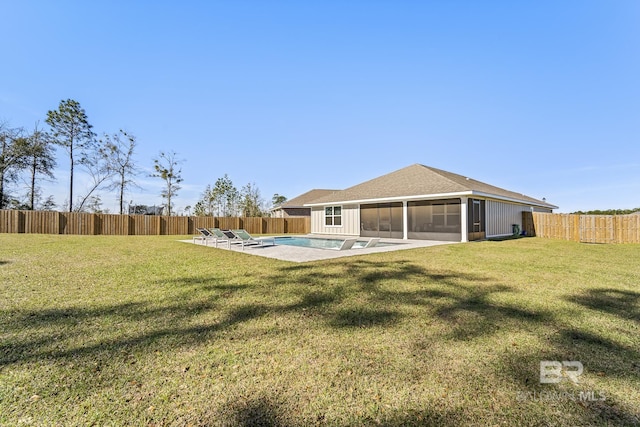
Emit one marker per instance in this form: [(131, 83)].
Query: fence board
[(297, 225), (112, 225), (274, 225), (583, 228), (77, 223), (145, 225), (203, 222), (229, 223), (175, 225), (627, 228), (252, 225), (42, 222), (14, 221)]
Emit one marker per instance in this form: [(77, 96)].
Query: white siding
[(544, 210), (350, 221), (500, 216)]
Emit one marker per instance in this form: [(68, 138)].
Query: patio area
[(304, 254)]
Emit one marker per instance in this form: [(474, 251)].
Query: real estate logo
[(553, 372)]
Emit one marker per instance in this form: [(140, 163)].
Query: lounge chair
[(221, 236), (372, 242), (218, 233), (204, 236), (235, 239), (347, 244), (244, 238), (207, 235)]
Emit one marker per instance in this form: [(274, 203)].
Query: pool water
[(320, 243)]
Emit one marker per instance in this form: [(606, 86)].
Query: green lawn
[(150, 331)]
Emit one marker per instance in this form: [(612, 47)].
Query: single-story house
[(421, 202), (295, 207)]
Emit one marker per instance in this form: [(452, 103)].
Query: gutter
[(433, 197)]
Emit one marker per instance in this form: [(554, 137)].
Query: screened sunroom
[(421, 202)]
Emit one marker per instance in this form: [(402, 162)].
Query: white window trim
[(324, 214)]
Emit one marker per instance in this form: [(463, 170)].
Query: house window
[(333, 216)]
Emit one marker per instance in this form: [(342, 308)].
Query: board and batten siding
[(542, 210), (501, 216), (350, 221)]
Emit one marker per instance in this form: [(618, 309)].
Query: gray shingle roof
[(308, 197), (421, 180)]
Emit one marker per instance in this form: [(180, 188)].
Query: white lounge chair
[(241, 236), (218, 233), (207, 236), (372, 242), (347, 244)]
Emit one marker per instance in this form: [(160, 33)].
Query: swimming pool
[(321, 243)]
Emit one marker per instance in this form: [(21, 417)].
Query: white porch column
[(464, 229), (405, 220)]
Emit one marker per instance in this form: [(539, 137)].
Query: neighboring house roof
[(418, 181), (308, 197)]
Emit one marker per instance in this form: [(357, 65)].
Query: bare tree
[(98, 166), (40, 160), (167, 167), (119, 149), (12, 157), (71, 130)]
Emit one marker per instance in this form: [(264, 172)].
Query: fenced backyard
[(583, 228), (578, 228), (40, 222)]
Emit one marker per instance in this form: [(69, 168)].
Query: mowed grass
[(149, 331)]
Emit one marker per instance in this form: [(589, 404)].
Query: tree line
[(607, 212), (29, 157)]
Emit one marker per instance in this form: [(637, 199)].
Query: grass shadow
[(50, 328), (364, 318), (607, 355), (262, 412), (472, 312), (621, 303), (464, 301)]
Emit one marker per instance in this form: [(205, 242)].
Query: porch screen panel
[(419, 214), (381, 220), (369, 217), (396, 217), (436, 216), (384, 217)]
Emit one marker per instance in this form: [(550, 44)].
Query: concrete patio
[(304, 254)]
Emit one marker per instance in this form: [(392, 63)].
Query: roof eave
[(392, 199), (514, 200), (434, 196), (288, 207)]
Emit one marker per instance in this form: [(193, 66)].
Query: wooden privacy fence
[(583, 228), (12, 221)]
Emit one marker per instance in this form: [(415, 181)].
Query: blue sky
[(538, 97)]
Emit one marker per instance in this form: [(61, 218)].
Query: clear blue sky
[(538, 97)]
